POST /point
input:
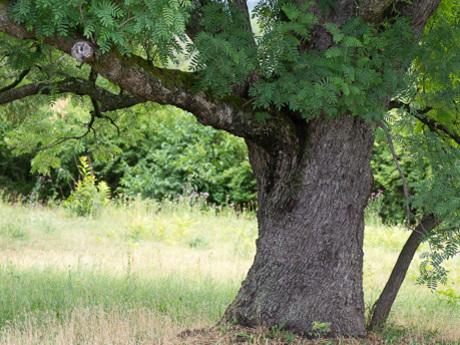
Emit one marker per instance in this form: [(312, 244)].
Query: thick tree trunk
[(308, 265), (381, 309)]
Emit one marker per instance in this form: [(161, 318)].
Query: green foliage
[(174, 155), (356, 74), (437, 68), (171, 156), (223, 53), (439, 194), (434, 191), (162, 153), (353, 75), (320, 329), (388, 200), (444, 245), (14, 169), (88, 196), (123, 24), (363, 65)]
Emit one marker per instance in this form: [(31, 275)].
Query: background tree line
[(165, 158)]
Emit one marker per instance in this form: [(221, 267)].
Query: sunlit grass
[(141, 273)]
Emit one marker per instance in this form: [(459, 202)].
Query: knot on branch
[(83, 51)]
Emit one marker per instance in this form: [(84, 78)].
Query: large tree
[(306, 90)]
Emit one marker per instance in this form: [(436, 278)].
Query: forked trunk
[(382, 307), (308, 265)]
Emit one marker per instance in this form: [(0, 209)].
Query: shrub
[(177, 156), (89, 196)]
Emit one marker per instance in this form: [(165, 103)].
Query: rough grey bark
[(419, 11), (308, 266), (381, 309)]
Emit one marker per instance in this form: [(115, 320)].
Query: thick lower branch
[(108, 100), (174, 88), (163, 86)]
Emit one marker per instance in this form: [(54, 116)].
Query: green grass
[(45, 291), (141, 273)]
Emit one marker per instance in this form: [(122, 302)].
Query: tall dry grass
[(142, 272)]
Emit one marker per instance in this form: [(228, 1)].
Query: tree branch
[(10, 27), (17, 81), (243, 7), (435, 126), (431, 123), (108, 100), (194, 23), (173, 87), (400, 171)]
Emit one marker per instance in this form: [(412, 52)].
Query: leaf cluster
[(363, 65), (223, 52), (124, 24), (355, 75)]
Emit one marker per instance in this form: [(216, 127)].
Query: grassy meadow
[(143, 272)]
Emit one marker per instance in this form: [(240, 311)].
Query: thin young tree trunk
[(381, 309), (308, 265)]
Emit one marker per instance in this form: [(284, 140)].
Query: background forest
[(159, 152)]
